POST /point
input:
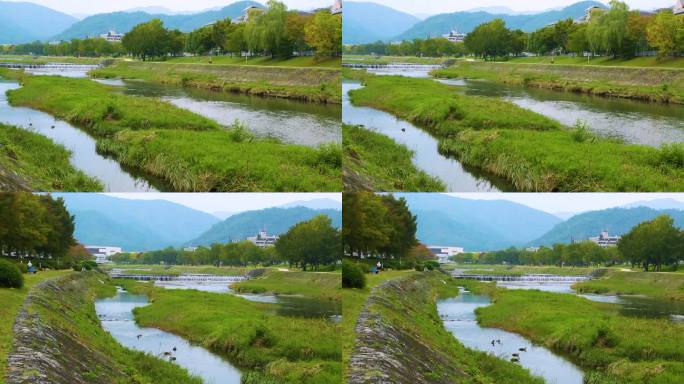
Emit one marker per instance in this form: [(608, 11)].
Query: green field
[(187, 151), (23, 59), (30, 161), (660, 285), (375, 162), (324, 285), (530, 151), (274, 348), (147, 269), (522, 269), (610, 347), (321, 85), (654, 84), (639, 62), (267, 61)]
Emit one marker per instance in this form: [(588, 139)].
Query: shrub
[(671, 155), (352, 275), (89, 265), (77, 267), (23, 268), (10, 275), (431, 265)]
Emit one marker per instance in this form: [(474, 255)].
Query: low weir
[(415, 67), (533, 277), (189, 277)]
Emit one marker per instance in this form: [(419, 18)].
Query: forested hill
[(617, 221), (276, 221), (123, 22), (465, 22), (369, 22), (26, 22), (135, 225), (476, 225)]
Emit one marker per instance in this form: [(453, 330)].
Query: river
[(290, 121), (116, 316), (425, 153)]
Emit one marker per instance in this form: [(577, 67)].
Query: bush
[(89, 265), (431, 265), (352, 275), (77, 267), (10, 275)]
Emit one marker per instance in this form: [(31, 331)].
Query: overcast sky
[(446, 6), (229, 202), (88, 7), (571, 202)]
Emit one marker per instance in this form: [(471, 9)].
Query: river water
[(83, 154), (116, 316), (292, 122), (458, 315), (425, 147)]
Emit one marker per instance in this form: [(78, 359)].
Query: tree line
[(377, 226), (617, 32), (38, 227), (274, 31), (308, 245), (649, 245)]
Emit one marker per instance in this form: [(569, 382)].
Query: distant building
[(605, 240), (444, 253), (190, 249), (102, 253), (336, 9), (454, 36), (263, 239), (112, 36), (678, 8), (532, 249)]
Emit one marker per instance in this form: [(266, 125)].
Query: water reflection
[(116, 316)]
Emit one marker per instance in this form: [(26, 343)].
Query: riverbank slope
[(659, 285), (58, 339), (399, 316)]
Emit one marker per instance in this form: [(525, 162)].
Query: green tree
[(653, 243), (665, 32), (324, 34), (311, 243)]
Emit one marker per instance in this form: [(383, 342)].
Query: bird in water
[(522, 349)]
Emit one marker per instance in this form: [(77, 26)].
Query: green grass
[(178, 269), (324, 285), (641, 62), (373, 161), (530, 151), (11, 300), (31, 161), (523, 269), (301, 62), (320, 85), (650, 84), (407, 309), (187, 151), (612, 348), (661, 285), (50, 59), (250, 334)]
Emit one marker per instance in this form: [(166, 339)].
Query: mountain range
[(276, 221), (27, 22), (485, 225), (366, 22), (144, 225)]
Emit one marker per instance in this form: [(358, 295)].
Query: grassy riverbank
[(30, 161), (66, 344), (156, 269), (11, 299), (367, 59), (487, 269), (274, 348), (639, 62), (612, 348), (189, 152), (321, 85), (660, 285), (323, 285), (401, 315), (26, 59), (375, 162), (653, 84), (530, 151), (300, 62)]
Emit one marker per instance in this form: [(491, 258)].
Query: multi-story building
[(605, 240), (444, 253), (112, 36), (102, 253), (678, 8), (263, 239), (454, 36)]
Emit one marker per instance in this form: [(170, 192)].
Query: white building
[(532, 249), (678, 8), (263, 239), (444, 253), (190, 249), (605, 240), (336, 9), (112, 36), (455, 37), (102, 253)]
